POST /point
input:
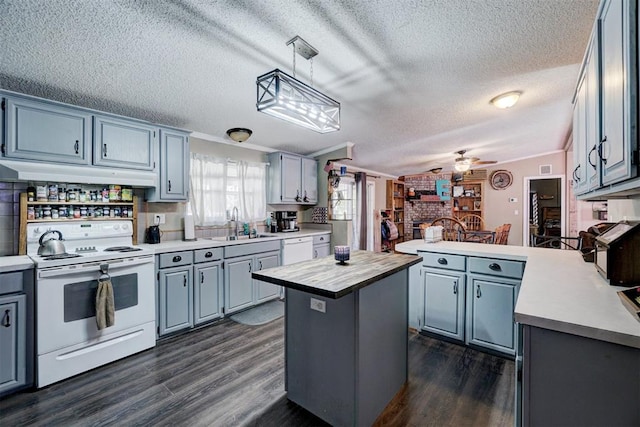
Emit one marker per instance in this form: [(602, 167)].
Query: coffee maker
[(286, 221)]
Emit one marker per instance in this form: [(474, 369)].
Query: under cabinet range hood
[(32, 171)]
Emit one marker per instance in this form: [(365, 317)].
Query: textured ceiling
[(414, 77)]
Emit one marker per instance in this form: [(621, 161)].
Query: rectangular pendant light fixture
[(285, 97)]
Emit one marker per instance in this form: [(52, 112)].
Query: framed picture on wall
[(476, 205)]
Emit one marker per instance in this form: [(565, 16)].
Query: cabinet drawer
[(174, 259), (496, 267), (322, 239), (251, 248), (11, 282), (447, 261), (206, 255)]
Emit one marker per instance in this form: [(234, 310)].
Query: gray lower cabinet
[(46, 132), (175, 291), (208, 291), (123, 143), (13, 327), (444, 302), (321, 245), (470, 299), (266, 291), (443, 282), (241, 291)]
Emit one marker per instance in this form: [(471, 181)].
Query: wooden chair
[(452, 228), (502, 234), (472, 221)]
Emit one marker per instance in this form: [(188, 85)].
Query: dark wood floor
[(230, 374)]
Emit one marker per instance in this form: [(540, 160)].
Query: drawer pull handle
[(76, 146), (201, 277), (184, 281), (104, 150), (442, 261), (169, 186), (478, 292), (177, 258), (455, 288), (260, 266), (7, 319), (322, 238), (208, 255), (495, 267)]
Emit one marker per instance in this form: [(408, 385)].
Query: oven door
[(66, 301)]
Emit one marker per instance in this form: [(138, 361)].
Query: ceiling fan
[(462, 163)]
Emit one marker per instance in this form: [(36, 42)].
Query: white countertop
[(15, 263), (218, 242), (559, 291)]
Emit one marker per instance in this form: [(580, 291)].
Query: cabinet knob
[(177, 258), (478, 292), (442, 261), (495, 267), (208, 255)]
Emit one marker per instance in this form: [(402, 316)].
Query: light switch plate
[(318, 305)]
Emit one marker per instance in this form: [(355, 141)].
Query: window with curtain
[(219, 185)]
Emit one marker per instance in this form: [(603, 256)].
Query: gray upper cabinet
[(292, 179), (605, 128), (123, 143), (173, 173), (44, 131), (618, 91)]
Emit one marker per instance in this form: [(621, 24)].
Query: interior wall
[(498, 209), (621, 209)]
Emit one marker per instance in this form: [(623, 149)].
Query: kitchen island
[(579, 348), (345, 333)]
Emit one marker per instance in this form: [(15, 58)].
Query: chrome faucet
[(234, 218)]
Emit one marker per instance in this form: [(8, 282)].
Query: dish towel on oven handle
[(105, 307)]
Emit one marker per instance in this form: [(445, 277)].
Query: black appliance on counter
[(286, 221), (153, 234), (617, 256)]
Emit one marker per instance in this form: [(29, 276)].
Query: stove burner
[(60, 256), (122, 249)]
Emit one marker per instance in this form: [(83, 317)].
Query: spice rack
[(26, 204)]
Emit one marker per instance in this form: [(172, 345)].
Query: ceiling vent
[(545, 169)]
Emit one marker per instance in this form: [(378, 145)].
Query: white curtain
[(219, 185)]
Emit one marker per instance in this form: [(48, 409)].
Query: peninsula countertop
[(326, 277), (559, 291)]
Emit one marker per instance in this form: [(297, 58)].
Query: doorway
[(543, 207)]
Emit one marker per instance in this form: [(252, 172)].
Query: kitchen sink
[(243, 237)]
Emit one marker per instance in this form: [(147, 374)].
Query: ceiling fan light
[(239, 134), (506, 100), (462, 165)]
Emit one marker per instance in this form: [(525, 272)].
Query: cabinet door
[(616, 143), (123, 143), (444, 302), (320, 251), (291, 178), (579, 140), (592, 119), (238, 284), (266, 291), (490, 306), (309, 181), (13, 327), (47, 132), (174, 165), (208, 290), (176, 300)]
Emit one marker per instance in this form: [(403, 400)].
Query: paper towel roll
[(189, 228)]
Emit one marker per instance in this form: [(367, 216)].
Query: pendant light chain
[(294, 60)]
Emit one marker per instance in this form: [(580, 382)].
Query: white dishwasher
[(297, 249)]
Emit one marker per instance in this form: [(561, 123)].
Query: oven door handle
[(114, 265)]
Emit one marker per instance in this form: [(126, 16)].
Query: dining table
[(477, 236)]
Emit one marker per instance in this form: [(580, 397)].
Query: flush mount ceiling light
[(285, 97), (506, 100), (239, 134)]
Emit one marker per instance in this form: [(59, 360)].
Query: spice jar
[(31, 212), (76, 212), (46, 212), (62, 212), (105, 211), (53, 192), (41, 193), (62, 194), (82, 196), (54, 213), (114, 193), (72, 195), (83, 211), (105, 195), (31, 194)]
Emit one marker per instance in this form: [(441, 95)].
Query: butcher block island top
[(327, 277)]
